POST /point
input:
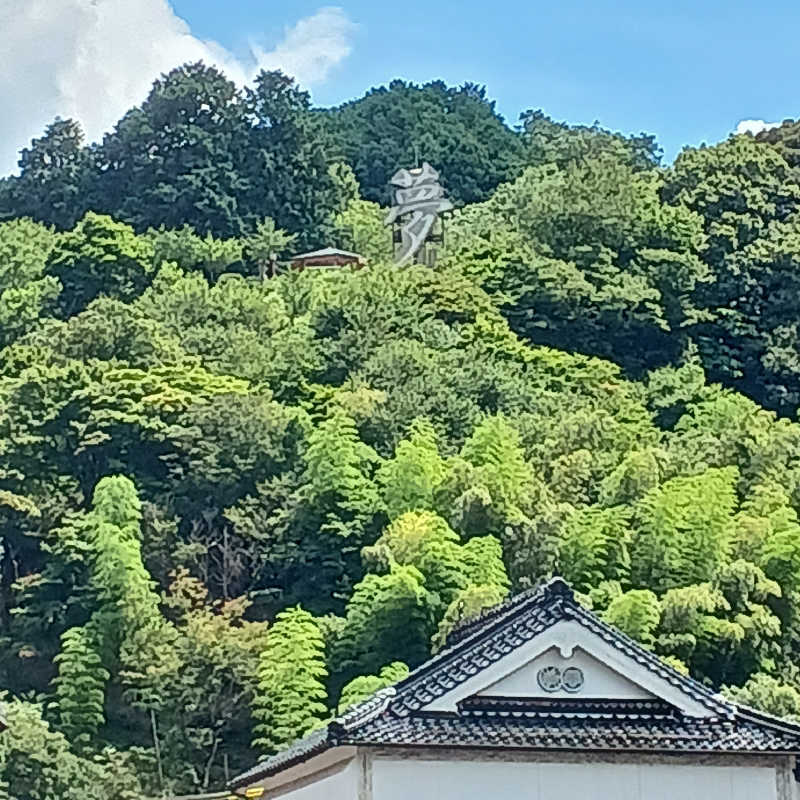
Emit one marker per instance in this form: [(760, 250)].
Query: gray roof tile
[(397, 716)]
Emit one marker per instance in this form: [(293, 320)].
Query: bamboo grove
[(231, 506)]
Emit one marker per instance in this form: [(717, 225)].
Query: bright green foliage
[(638, 473), (202, 685), (483, 562), (338, 476), (636, 613), (772, 529), (80, 685), (184, 247), (26, 293), (360, 227), (425, 541), (459, 579), (181, 246), (290, 694), (416, 538), (592, 259), (37, 763), (596, 546), (266, 244), (724, 630), (388, 617), (490, 483), (219, 254), (693, 624), (126, 608), (683, 530), (408, 481), (365, 686), (235, 328), (766, 693), (466, 605), (549, 142), (100, 256), (391, 450), (752, 596)]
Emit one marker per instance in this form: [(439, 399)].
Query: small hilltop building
[(328, 258)]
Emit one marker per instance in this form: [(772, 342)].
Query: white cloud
[(755, 126), (312, 47), (93, 59)]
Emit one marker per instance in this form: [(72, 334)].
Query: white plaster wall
[(480, 780), (600, 680), (340, 783)]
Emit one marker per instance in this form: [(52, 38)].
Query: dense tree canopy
[(456, 129), (236, 499)]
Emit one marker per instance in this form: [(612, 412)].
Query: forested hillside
[(230, 507)]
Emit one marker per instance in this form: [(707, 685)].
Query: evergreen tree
[(290, 698)]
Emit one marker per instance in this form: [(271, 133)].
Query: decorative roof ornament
[(419, 200)]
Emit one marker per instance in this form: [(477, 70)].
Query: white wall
[(340, 783), (600, 680), (481, 780)]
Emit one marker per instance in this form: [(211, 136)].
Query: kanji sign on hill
[(419, 199)]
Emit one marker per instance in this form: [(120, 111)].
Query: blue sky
[(687, 71)]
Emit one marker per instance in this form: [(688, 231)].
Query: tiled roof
[(327, 251), (506, 627), (606, 733), (397, 716)]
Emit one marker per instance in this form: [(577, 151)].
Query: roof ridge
[(322, 738), (556, 595), (486, 641), (750, 714), (715, 700), (369, 708), (555, 586)]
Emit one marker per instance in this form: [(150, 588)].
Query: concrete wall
[(395, 779)]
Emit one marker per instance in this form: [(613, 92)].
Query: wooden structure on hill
[(327, 258)]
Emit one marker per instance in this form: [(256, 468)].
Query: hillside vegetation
[(230, 507)]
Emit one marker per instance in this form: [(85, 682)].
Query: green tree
[(55, 173), (596, 546), (38, 763), (285, 161), (588, 257), (683, 530), (408, 480), (364, 686), (767, 693), (548, 142), (100, 257), (290, 698), (26, 292), (360, 227), (174, 160), (747, 196), (636, 613), (388, 617), (456, 129), (80, 685), (266, 244)]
